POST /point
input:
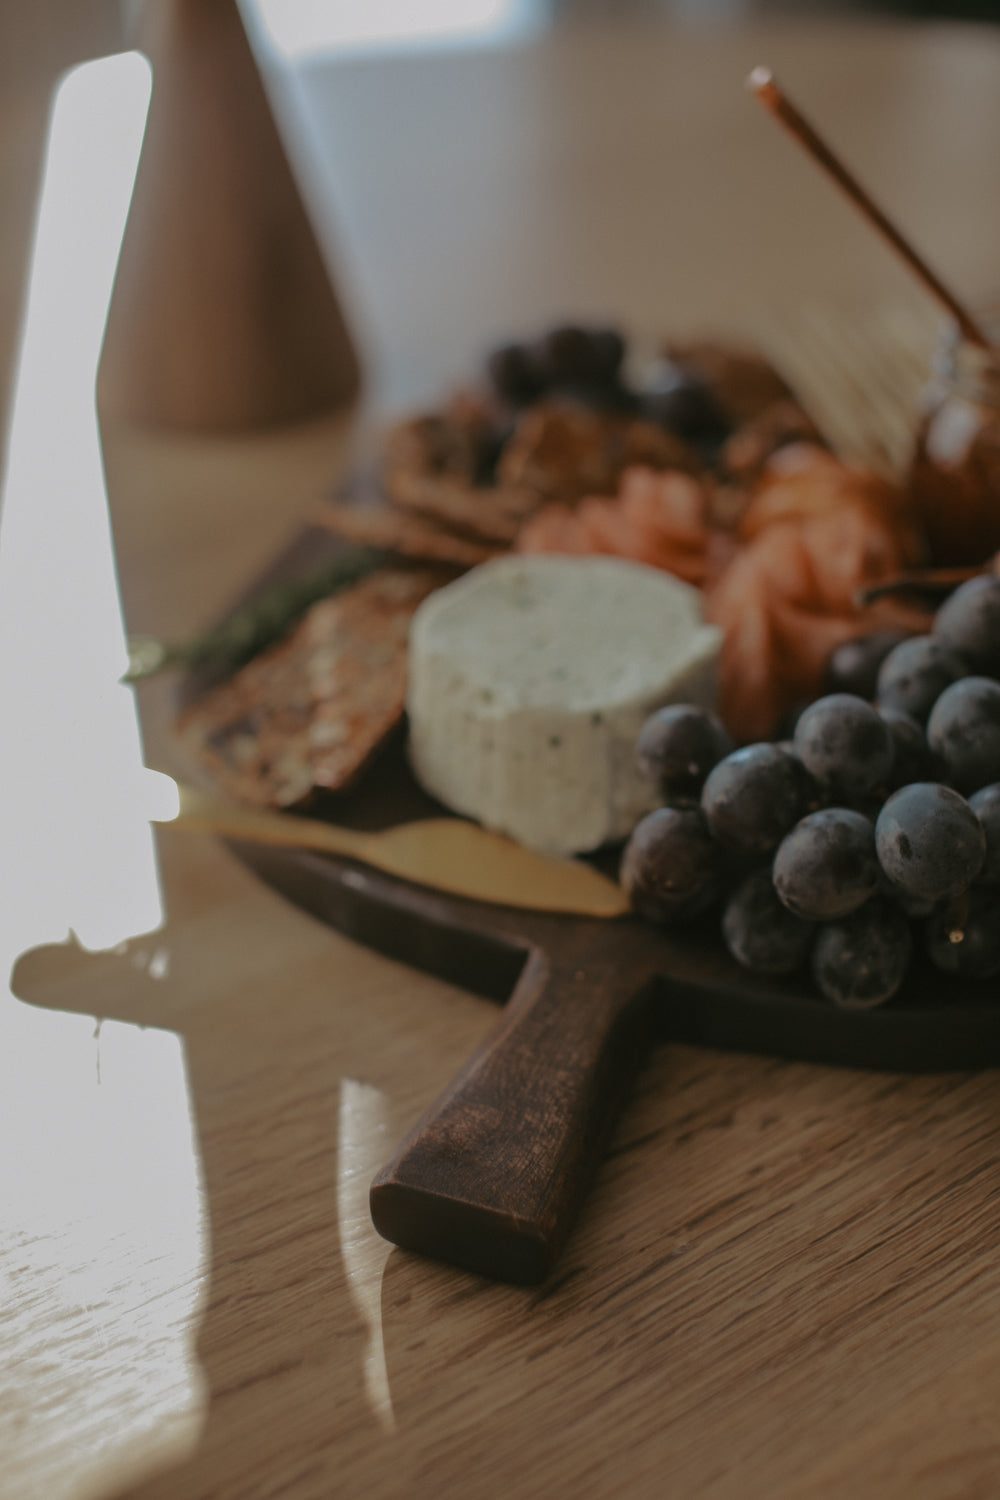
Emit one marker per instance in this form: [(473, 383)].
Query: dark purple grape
[(929, 841), (964, 730), (678, 746), (969, 622), (914, 907), (912, 758), (785, 727), (986, 805), (753, 796), (915, 674), (843, 743), (861, 960), (685, 405), (671, 868), (977, 954), (512, 372), (853, 666), (826, 867), (760, 932)]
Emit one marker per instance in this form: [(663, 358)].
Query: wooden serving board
[(492, 1175)]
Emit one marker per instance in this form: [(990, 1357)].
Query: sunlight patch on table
[(103, 1248), (361, 1141)]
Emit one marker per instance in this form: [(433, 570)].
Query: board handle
[(492, 1175)]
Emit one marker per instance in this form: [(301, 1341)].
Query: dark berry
[(842, 741), (915, 907), (760, 932), (861, 960), (564, 355), (685, 405), (969, 947), (929, 841), (969, 622), (826, 866), (986, 805), (853, 666), (678, 746), (671, 867), (964, 730), (753, 796), (512, 372), (912, 759), (915, 674)]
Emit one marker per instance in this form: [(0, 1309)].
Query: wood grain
[(787, 1280), (492, 1177)]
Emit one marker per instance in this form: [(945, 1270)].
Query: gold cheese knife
[(449, 854)]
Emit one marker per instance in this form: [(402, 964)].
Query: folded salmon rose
[(782, 582), (814, 534), (656, 518)]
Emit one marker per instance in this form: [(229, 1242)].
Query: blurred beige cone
[(224, 317)]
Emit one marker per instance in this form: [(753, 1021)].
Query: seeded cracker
[(438, 467), (310, 712), (491, 514), (406, 535)]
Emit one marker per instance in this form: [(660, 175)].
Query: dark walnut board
[(491, 1177)]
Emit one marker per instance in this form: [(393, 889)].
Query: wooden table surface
[(787, 1280)]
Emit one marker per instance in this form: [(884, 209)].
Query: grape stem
[(958, 915)]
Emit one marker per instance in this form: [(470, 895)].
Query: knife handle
[(493, 1174)]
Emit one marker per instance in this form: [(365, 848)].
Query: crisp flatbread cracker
[(407, 534), (491, 514), (310, 712)]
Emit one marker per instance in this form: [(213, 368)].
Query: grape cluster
[(872, 834)]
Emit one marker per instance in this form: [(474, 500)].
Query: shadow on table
[(771, 1251), (332, 1364), (285, 1331)]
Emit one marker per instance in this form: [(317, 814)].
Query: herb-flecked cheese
[(529, 679)]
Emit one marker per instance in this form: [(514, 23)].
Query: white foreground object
[(529, 680)]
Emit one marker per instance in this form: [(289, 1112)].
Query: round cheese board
[(492, 1175)]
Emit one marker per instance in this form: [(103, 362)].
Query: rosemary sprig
[(255, 625)]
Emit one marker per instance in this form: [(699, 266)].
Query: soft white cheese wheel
[(529, 680)]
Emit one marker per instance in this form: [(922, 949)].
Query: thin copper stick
[(761, 82)]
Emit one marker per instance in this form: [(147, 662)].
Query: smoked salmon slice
[(782, 581)]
